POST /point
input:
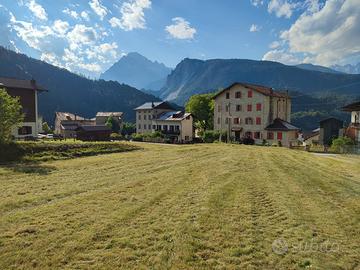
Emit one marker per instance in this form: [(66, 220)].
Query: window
[(238, 108), (139, 116), (258, 120), (226, 120), (236, 120), (154, 126), (158, 127), (250, 94), (165, 127), (145, 117), (26, 130), (238, 94), (144, 126), (256, 135), (171, 128), (227, 95), (149, 116), (177, 128), (219, 108), (270, 135), (249, 107), (139, 126), (248, 121), (248, 134), (279, 135), (149, 126), (218, 121), (258, 107), (227, 108), (187, 138)]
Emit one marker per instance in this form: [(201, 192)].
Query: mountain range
[(70, 92), (138, 71), (350, 69)]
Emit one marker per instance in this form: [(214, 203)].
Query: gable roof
[(352, 107), (62, 116), (154, 105), (108, 114), (281, 125), (267, 91), (331, 119), (22, 84), (173, 116)]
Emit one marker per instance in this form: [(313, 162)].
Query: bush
[(338, 143), (248, 141), (211, 136), (137, 137), (116, 137)]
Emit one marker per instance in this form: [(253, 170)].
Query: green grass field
[(209, 206)]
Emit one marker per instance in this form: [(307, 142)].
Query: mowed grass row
[(184, 207)]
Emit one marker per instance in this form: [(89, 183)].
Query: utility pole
[(229, 124)]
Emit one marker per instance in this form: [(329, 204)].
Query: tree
[(128, 128), (10, 115), (202, 108), (113, 124), (46, 128)]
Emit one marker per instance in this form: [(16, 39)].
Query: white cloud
[(181, 29), (257, 3), (81, 34), (71, 13), (115, 22), (274, 45), (60, 27), (132, 15), (328, 35), (98, 8), (37, 10), (85, 15), (254, 28), (281, 8), (281, 56)]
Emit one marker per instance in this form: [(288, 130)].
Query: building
[(93, 133), (252, 111), (177, 126), (160, 116), (147, 112), (311, 138), (330, 129), (67, 123), (27, 91), (353, 131), (102, 117)]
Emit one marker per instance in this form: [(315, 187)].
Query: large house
[(102, 117), (67, 123), (27, 91), (252, 111), (353, 131), (160, 116)]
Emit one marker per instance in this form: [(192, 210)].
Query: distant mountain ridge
[(138, 71), (193, 76), (70, 92), (318, 68), (350, 69)]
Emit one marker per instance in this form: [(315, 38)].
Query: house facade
[(27, 91), (353, 131), (67, 123), (252, 111), (330, 129), (102, 117), (160, 116)]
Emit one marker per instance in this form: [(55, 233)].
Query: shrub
[(248, 141), (338, 143), (211, 136), (137, 137), (116, 136)]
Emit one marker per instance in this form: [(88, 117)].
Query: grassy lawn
[(183, 207)]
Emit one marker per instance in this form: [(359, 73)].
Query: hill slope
[(138, 71), (70, 92), (193, 76)]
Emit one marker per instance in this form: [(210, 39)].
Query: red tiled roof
[(267, 91)]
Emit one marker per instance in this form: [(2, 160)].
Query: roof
[(94, 128), (69, 127), (152, 105), (333, 119), (108, 114), (62, 116), (352, 107), (173, 116), (267, 91), (281, 125), (22, 84)]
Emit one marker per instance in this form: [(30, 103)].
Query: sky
[(88, 36)]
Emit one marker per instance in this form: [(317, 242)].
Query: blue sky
[(88, 36)]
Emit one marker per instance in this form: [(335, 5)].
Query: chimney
[(152, 104)]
